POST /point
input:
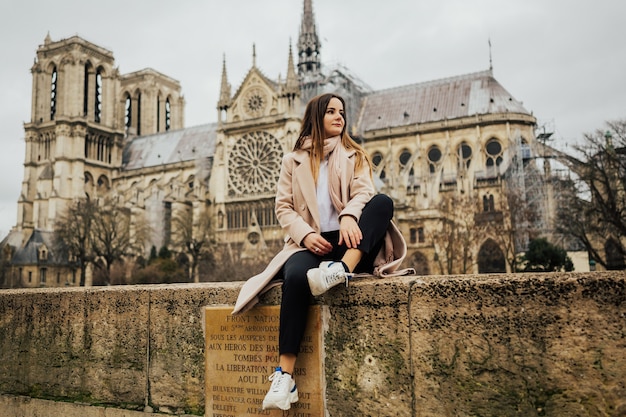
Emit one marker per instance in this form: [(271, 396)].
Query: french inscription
[(242, 352)]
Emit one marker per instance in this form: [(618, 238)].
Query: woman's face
[(333, 118)]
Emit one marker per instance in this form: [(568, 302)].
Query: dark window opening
[(158, 111), (128, 118), (139, 114), (86, 92), (98, 98), (434, 158), (377, 158), (405, 156), (488, 203), (53, 93), (465, 156), (168, 115)]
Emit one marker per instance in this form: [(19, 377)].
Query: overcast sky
[(565, 60)]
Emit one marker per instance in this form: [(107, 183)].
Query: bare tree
[(454, 238), (72, 234), (514, 232), (113, 237), (592, 203), (194, 235)]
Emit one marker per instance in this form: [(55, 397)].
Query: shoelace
[(279, 380), (336, 276)]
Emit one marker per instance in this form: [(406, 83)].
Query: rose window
[(254, 164)]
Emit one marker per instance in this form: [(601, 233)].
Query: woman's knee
[(383, 204)]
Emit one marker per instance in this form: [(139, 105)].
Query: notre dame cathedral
[(450, 152)]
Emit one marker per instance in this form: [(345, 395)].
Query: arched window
[(86, 91), (614, 255), (419, 262), (53, 93), (494, 153), (377, 158), (464, 155), (417, 235), (168, 114), (128, 113), (491, 258), (139, 114), (434, 158), (488, 203), (158, 114), (98, 102), (404, 158)]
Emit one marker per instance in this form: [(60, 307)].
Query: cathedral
[(448, 151)]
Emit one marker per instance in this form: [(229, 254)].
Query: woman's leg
[(373, 223), (294, 307), (294, 310)]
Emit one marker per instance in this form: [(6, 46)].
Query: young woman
[(336, 226)]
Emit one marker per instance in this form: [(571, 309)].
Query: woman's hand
[(317, 244), (349, 232)]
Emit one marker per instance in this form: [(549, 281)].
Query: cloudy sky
[(565, 60)]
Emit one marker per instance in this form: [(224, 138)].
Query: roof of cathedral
[(170, 147), (447, 98), (28, 254)]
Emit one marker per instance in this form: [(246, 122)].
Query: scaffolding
[(526, 191)]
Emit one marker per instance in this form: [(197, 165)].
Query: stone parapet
[(488, 345)]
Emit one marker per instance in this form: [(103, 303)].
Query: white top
[(329, 218)]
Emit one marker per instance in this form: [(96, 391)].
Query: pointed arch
[(88, 71), (614, 253), (491, 258), (419, 262), (98, 94), (54, 84), (89, 186)]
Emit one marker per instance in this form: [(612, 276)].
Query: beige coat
[(296, 210)]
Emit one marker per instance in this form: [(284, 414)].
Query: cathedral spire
[(309, 45), (224, 101), (292, 78)]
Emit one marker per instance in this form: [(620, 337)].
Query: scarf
[(335, 153)]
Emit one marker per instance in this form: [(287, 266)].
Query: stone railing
[(495, 345)]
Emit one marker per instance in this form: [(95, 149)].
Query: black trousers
[(296, 295)]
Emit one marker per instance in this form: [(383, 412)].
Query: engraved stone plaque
[(242, 352)]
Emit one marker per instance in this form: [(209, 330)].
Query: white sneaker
[(283, 391), (328, 275)]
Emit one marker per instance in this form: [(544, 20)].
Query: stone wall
[(499, 345)]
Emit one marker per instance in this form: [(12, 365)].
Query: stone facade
[(442, 149)]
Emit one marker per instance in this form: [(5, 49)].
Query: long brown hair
[(313, 127)]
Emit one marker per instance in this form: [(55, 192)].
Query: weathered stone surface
[(550, 345), (176, 356), (125, 346), (501, 345), (368, 368)]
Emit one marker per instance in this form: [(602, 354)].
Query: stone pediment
[(256, 97)]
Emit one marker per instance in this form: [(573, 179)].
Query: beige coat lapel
[(305, 191)]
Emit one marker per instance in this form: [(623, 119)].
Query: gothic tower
[(82, 113), (309, 58), (73, 139)]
